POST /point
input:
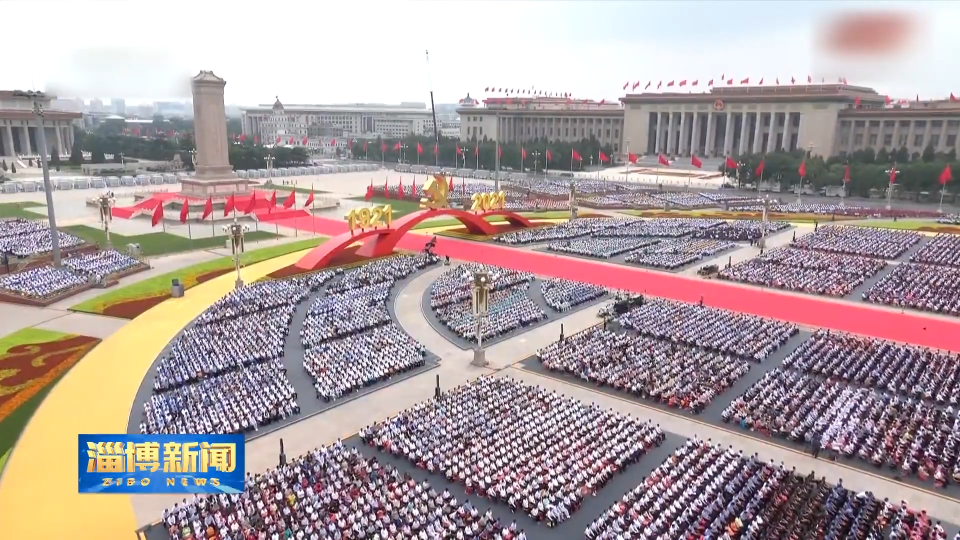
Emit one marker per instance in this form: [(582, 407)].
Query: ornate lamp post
[(105, 202), (481, 291), (536, 160), (892, 174), (403, 148), (236, 231), (193, 158), (121, 158), (47, 187), (269, 159)]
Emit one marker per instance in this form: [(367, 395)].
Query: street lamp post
[(892, 174), (236, 231), (481, 290), (269, 159), (121, 159), (47, 187), (106, 201), (536, 160), (403, 148)]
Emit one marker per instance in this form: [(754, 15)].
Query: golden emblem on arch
[(435, 191)]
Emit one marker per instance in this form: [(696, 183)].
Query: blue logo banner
[(160, 463)]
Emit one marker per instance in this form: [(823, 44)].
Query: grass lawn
[(298, 189), (400, 208), (720, 214), (18, 210), (450, 222), (3, 460), (901, 224), (160, 243), (160, 285)]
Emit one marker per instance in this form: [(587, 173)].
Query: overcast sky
[(326, 51)]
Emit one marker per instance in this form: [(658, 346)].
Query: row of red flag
[(525, 92), (723, 80), (231, 206), (945, 176)]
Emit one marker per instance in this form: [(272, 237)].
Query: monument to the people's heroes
[(214, 175)]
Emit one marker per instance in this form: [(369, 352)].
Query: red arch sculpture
[(382, 242), (321, 255)]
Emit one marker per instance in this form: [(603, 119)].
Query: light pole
[(121, 158), (269, 159), (106, 201), (536, 160), (47, 187), (403, 147), (892, 174), (481, 290), (236, 231)]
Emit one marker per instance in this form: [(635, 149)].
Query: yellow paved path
[(96, 396)]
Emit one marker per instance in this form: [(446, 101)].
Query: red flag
[(574, 155), (696, 82), (695, 161), (549, 156), (777, 80), (499, 151), (413, 188), (683, 82), (400, 189), (291, 141), (383, 148), (626, 84), (809, 79), (256, 140), (230, 206), (893, 174), (419, 149), (946, 175), (603, 157), (648, 85), (856, 102), (242, 137), (887, 100), (729, 82), (450, 187), (659, 84), (184, 210), (953, 98), (252, 205), (304, 141), (761, 81), (663, 160), (710, 82), (476, 150), (207, 208), (459, 150), (309, 199), (397, 146), (730, 163), (635, 85), (669, 84), (793, 80), (364, 147), (745, 81), (157, 214), (278, 139), (803, 169), (523, 153), (369, 193), (759, 169), (846, 174), (291, 199), (632, 158), (333, 142)]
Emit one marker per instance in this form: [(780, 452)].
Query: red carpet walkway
[(863, 319)]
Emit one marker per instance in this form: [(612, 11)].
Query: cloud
[(120, 72)]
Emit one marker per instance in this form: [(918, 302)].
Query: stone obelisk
[(214, 175)]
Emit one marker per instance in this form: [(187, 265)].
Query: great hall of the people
[(825, 119)]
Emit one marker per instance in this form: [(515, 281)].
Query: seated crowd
[(728, 332), (562, 231), (509, 306), (535, 450), (102, 264), (741, 230), (707, 491), (674, 254), (348, 335), (41, 282), (671, 373), (661, 227), (904, 434), (563, 294), (35, 242), (942, 250), (805, 270), (601, 248), (919, 286), (884, 365), (225, 373), (334, 492), (687, 200), (862, 241), (950, 219)]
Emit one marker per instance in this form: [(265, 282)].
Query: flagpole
[(477, 150), (599, 162), (313, 204), (296, 218), (546, 161), (942, 189), (189, 230)]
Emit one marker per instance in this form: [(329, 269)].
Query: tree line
[(511, 154), (869, 169)]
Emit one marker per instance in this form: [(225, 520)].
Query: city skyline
[(587, 50)]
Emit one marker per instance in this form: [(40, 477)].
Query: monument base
[(224, 187), (479, 358)]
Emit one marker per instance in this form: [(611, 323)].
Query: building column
[(910, 130), (25, 147), (8, 147), (728, 135), (671, 134), (926, 134), (758, 133), (785, 145), (942, 143), (59, 131), (772, 137), (695, 134), (711, 136), (895, 140), (684, 140), (656, 145), (744, 135)]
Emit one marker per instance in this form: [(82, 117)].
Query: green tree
[(902, 155), (929, 153), (883, 156), (54, 156), (76, 152), (13, 168), (4, 166)]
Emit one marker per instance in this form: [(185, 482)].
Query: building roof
[(205, 77), (345, 108), (469, 101), (769, 94), (545, 106), (16, 114)]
